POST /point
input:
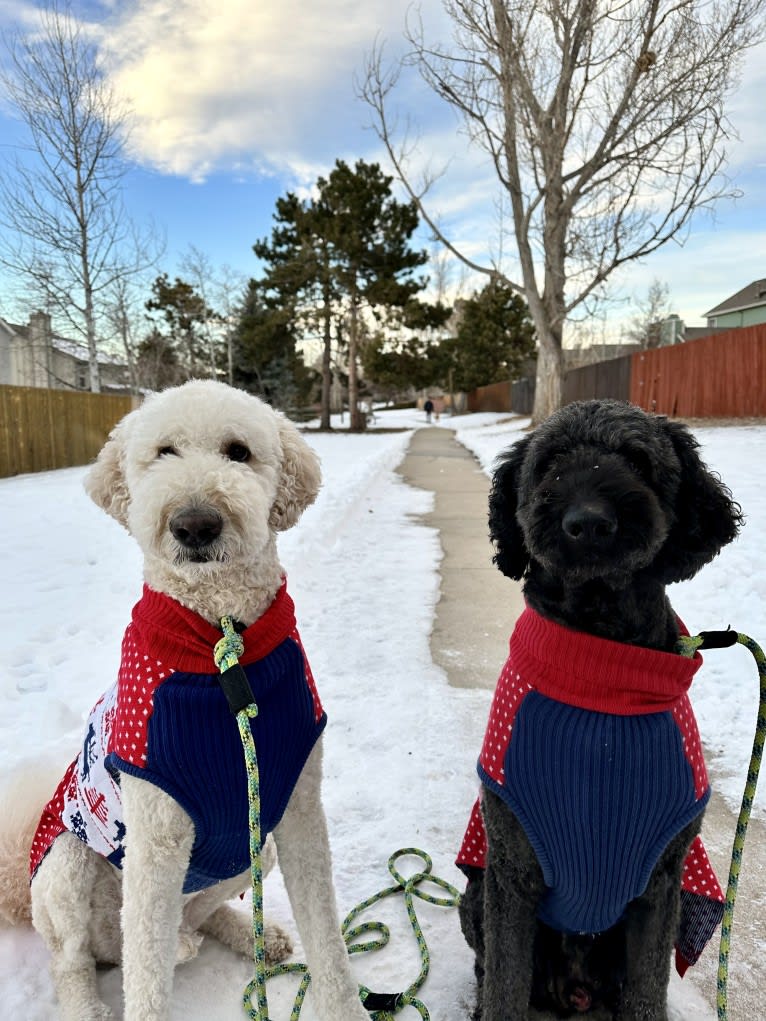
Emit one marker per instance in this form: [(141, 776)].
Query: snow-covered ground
[(401, 744)]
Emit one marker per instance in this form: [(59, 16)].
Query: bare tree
[(222, 290), (65, 229), (605, 124), (651, 310), (229, 285)]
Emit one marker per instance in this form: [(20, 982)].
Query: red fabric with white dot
[(699, 876), (50, 825), (137, 680), (686, 722), (509, 695)]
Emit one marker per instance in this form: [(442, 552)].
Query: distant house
[(33, 355), (745, 308)]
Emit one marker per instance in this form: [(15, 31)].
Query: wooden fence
[(600, 379), (722, 376), (523, 396), (45, 429), (493, 397)]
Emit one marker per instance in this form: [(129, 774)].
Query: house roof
[(9, 327), (749, 297), (75, 350)]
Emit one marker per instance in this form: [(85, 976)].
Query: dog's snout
[(196, 527), (589, 522)]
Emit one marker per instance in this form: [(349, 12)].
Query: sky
[(401, 744), (236, 103)]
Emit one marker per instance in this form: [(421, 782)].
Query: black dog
[(598, 510)]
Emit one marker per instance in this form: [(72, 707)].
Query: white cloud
[(264, 85), (265, 89)]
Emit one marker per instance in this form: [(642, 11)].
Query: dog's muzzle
[(196, 529)]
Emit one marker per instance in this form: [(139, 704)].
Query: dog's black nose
[(589, 522), (196, 527)]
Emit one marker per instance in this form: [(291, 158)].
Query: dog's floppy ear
[(511, 554), (105, 481), (707, 518), (299, 478)]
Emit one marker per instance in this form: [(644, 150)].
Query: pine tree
[(336, 262), (493, 339)]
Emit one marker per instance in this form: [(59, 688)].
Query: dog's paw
[(188, 945), (277, 943)]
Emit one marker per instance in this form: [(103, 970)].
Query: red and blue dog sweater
[(594, 746), (166, 720)]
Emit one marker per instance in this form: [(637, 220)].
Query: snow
[(401, 744)]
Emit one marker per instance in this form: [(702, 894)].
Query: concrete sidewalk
[(474, 619), (478, 605)]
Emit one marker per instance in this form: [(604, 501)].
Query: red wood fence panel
[(493, 397), (721, 376)]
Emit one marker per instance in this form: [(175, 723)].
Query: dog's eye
[(237, 452), (167, 450)]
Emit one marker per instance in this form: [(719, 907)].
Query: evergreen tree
[(156, 363), (415, 362), (184, 318), (266, 361), (413, 356), (494, 338), (334, 262), (298, 286), (370, 257)]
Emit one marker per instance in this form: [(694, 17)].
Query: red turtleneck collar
[(183, 640), (597, 673)]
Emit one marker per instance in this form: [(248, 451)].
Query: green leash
[(382, 1006), (236, 687), (687, 646)]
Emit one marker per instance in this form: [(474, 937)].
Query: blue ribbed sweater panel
[(600, 796), (195, 754)]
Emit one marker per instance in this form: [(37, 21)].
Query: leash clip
[(718, 639), (387, 1002)]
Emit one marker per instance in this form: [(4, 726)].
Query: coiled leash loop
[(687, 646), (382, 1006)]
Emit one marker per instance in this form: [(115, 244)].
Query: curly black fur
[(597, 510)]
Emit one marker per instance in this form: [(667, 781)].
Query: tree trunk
[(90, 326), (550, 374), (356, 421), (325, 422)]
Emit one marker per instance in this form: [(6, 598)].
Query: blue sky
[(236, 103)]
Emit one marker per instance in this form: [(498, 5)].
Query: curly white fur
[(202, 447)]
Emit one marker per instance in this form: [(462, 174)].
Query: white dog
[(154, 826)]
